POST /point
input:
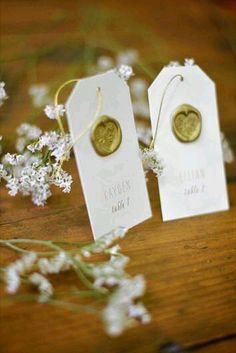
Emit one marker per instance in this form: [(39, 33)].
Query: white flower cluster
[(151, 160), (122, 311), (53, 112), (111, 272), (122, 62), (44, 286), (104, 241), (39, 94), (60, 262), (3, 93), (125, 72), (15, 270), (128, 57), (187, 62), (38, 166), (58, 144), (22, 267), (13, 159)]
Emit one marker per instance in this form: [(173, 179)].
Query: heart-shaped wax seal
[(106, 135), (186, 123)]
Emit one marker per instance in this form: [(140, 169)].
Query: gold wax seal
[(106, 135), (186, 123)]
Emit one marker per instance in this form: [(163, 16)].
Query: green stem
[(76, 308)]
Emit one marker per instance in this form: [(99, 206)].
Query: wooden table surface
[(189, 264)]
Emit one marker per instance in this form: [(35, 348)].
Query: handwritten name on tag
[(188, 139), (107, 155)]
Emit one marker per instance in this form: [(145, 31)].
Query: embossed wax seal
[(186, 123), (106, 135)]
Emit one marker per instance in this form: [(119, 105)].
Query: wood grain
[(189, 264)]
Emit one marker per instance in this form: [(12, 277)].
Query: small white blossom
[(173, 64), (138, 88), (151, 160), (111, 272), (189, 62), (53, 112), (120, 312), (3, 172), (114, 250), (44, 286), (13, 159), (139, 311), (85, 253), (59, 263), (62, 179), (105, 63), (125, 72), (31, 132), (16, 269), (61, 149), (128, 57), (13, 186), (3, 94), (105, 241), (39, 94), (26, 134)]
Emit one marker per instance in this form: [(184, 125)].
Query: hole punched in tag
[(106, 134)]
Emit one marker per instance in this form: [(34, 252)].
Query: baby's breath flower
[(59, 263), (128, 57), (121, 310), (16, 269), (189, 62), (138, 88), (13, 159), (139, 311), (173, 64), (39, 94), (3, 94), (114, 250), (111, 272), (13, 186), (44, 286), (151, 160), (62, 179), (31, 132), (125, 72), (53, 112), (3, 172), (105, 63)]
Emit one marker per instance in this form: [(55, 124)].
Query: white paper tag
[(114, 186), (193, 181)]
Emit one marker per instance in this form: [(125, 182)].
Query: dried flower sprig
[(36, 167), (152, 161), (105, 279)]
